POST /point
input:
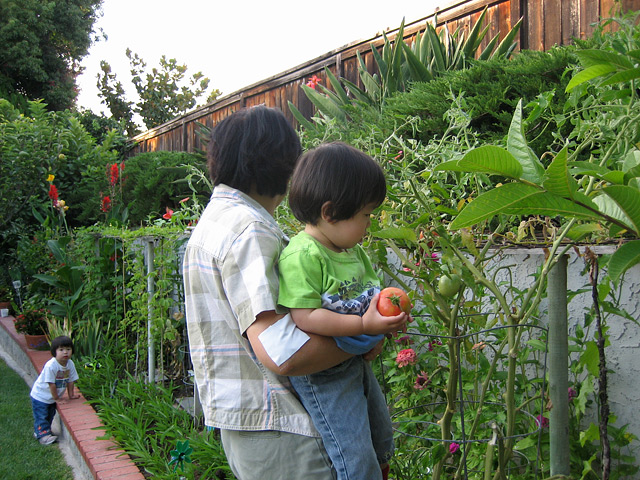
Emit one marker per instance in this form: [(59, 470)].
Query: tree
[(161, 95), (42, 45)]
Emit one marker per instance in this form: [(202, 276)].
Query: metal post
[(558, 369), (150, 290)]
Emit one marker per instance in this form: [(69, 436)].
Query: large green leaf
[(301, 118), (396, 233), (324, 104), (625, 257), (557, 178), (337, 87), (590, 58), (608, 207), (624, 76), (487, 159), (518, 199), (628, 199), (532, 169), (615, 177), (590, 73)]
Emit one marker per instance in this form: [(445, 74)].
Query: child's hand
[(374, 323)]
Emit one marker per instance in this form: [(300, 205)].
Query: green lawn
[(21, 456)]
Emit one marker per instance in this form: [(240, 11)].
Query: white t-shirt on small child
[(53, 372)]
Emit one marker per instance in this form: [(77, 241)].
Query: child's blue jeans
[(43, 414), (350, 412)]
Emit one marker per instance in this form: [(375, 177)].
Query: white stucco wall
[(622, 355)]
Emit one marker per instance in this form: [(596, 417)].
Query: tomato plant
[(393, 301)]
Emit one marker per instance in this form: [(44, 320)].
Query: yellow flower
[(50, 178)]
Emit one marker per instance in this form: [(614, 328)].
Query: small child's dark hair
[(337, 173), (58, 342)]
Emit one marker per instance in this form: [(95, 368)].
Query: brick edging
[(103, 458)]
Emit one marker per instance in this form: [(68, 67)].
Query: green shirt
[(312, 276)]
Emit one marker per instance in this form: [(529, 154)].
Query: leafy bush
[(490, 89), (156, 180)]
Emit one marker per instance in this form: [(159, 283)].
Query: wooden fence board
[(545, 23)]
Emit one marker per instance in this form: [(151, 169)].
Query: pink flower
[(313, 82), (406, 357), (572, 394), (453, 447), (168, 214), (405, 340), (422, 381), (542, 421), (399, 155)]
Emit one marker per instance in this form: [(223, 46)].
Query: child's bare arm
[(326, 322), (70, 391), (54, 391)]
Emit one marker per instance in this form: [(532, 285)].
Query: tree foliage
[(42, 45), (164, 92)]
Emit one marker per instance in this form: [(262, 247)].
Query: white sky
[(235, 43)]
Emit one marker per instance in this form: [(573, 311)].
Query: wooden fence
[(545, 23)]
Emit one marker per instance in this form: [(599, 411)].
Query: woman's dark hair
[(336, 173), (254, 146), (58, 342)]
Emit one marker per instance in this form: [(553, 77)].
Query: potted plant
[(33, 324)]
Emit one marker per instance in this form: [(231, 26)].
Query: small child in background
[(328, 283), (58, 374)]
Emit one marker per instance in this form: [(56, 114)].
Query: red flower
[(53, 193), (313, 82), (113, 171), (168, 214), (406, 357), (106, 204)]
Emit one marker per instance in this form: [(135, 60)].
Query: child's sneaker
[(48, 439)]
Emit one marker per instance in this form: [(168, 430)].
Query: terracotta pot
[(37, 342)]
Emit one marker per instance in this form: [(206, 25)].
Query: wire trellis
[(532, 424)]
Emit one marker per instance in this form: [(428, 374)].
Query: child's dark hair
[(58, 342), (337, 173), (254, 146)]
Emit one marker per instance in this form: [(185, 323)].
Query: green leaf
[(487, 159), (337, 87), (532, 169), (557, 178), (628, 199), (590, 359), (625, 257), (300, 118), (591, 434), (324, 104), (397, 233), (508, 43), (472, 43), (589, 74), (590, 58), (518, 199), (624, 76)]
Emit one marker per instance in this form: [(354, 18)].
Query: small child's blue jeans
[(43, 414), (349, 410)]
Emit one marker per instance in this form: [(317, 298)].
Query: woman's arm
[(317, 354)]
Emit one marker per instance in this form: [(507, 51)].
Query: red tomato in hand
[(393, 301)]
